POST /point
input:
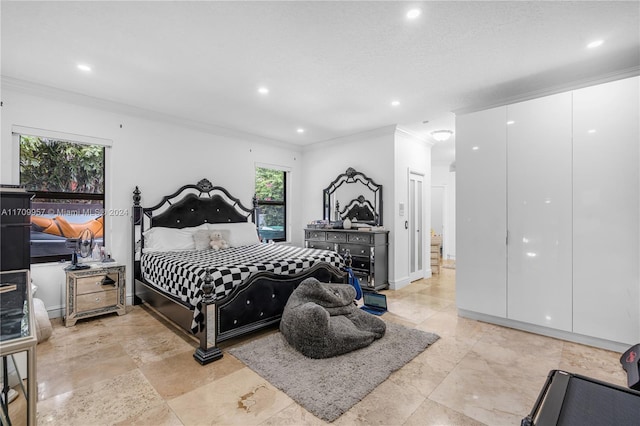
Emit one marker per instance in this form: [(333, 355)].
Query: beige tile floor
[(137, 370)]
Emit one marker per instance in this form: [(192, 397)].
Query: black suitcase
[(573, 400)]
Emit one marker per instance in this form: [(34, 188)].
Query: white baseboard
[(545, 331), (398, 284)]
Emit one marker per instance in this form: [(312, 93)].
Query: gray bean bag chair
[(320, 320)]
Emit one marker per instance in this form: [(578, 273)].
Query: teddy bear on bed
[(217, 242)]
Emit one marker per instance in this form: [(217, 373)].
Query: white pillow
[(166, 239), (201, 239), (238, 234)]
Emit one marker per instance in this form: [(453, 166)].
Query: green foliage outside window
[(68, 182), (58, 166), (271, 192)]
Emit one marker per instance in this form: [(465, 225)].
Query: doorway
[(416, 226)]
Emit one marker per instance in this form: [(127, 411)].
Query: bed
[(216, 295)]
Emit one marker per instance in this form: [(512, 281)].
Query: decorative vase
[(346, 224)]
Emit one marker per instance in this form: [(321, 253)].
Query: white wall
[(411, 154), (370, 153), (156, 155)]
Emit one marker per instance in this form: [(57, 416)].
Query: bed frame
[(255, 304)]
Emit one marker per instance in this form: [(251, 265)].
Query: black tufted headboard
[(191, 205)]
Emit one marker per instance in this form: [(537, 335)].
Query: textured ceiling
[(332, 68)]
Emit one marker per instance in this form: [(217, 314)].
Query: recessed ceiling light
[(414, 13), (395, 103), (510, 122), (300, 130), (263, 90), (84, 67), (595, 43), (592, 131)]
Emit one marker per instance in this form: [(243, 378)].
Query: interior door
[(539, 212), (416, 226)]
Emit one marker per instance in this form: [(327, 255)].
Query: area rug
[(329, 387)]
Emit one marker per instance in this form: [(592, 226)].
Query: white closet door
[(539, 212), (606, 211), (481, 207)]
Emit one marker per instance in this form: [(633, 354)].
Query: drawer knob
[(97, 299)]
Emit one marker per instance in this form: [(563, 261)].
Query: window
[(271, 194), (68, 180)]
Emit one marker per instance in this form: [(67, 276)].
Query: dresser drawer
[(315, 235), (97, 300), (361, 237), (355, 250), (363, 279), (361, 263), (323, 245), (95, 283), (337, 237)]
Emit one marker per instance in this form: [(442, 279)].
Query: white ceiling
[(332, 68)]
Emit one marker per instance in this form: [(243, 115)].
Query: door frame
[(419, 273)]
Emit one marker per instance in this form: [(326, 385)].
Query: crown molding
[(56, 94), (560, 88), (428, 140), (380, 131)]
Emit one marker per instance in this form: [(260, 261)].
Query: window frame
[(18, 131), (284, 203)]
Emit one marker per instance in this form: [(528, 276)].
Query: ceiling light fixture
[(300, 130), (414, 13), (395, 103), (441, 135), (595, 43), (84, 67), (263, 90)]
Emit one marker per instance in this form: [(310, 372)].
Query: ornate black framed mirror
[(353, 195)]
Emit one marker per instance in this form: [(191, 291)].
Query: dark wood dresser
[(17, 318), (369, 251), (15, 229)]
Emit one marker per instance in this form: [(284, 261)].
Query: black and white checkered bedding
[(181, 273)]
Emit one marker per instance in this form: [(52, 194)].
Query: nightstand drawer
[(92, 301), (95, 283)]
